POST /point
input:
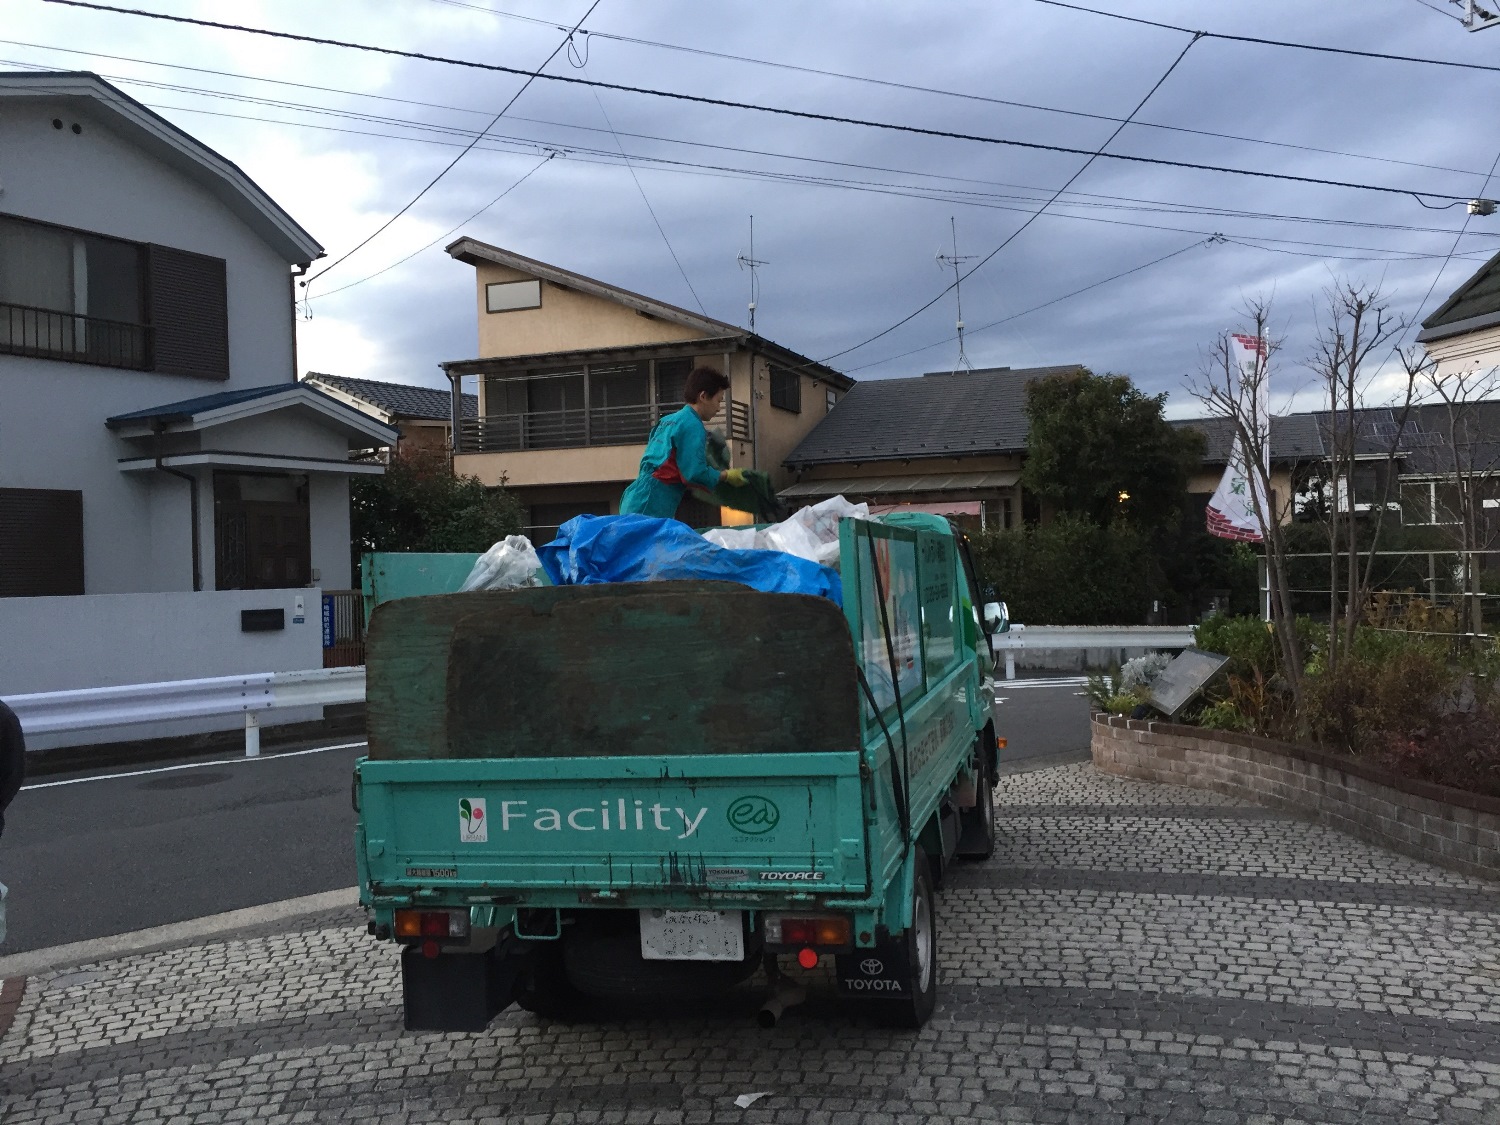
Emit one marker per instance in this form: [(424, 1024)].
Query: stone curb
[(35, 961)]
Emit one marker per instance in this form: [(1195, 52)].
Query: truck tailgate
[(633, 830)]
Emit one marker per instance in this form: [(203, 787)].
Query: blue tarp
[(594, 549)]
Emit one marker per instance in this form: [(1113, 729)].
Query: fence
[(49, 334), (343, 629), (66, 712), (1109, 642), (582, 427)]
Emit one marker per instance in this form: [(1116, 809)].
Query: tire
[(920, 946), (978, 839), (542, 985)]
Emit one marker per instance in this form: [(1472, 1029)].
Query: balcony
[(49, 334), (584, 428)]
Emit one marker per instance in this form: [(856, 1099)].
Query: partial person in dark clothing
[(12, 759)]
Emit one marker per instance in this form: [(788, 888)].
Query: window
[(71, 295), (671, 380), (41, 542), (786, 390), (830, 399), (507, 296)]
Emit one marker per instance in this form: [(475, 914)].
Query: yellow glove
[(735, 477)]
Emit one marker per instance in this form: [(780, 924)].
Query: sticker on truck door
[(473, 826)]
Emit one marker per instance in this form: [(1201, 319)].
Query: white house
[(154, 439), (153, 436)]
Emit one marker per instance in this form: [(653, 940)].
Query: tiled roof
[(401, 399), (1477, 297), (1294, 437), (934, 415)]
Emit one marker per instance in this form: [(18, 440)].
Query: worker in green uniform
[(676, 456)]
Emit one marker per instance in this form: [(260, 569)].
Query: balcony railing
[(49, 334), (579, 429)]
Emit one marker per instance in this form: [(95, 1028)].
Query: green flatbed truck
[(638, 789)]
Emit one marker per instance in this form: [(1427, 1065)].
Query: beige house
[(575, 372)]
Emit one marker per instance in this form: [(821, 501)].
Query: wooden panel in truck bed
[(629, 669)]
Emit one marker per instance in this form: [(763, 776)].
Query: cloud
[(852, 254)]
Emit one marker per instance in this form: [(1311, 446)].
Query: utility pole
[(752, 263), (1475, 17), (956, 260)]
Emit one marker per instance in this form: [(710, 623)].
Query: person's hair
[(703, 381)]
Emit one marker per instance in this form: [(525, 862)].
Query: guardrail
[(1042, 637), (55, 712)]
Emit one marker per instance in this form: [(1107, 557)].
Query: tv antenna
[(956, 260), (752, 263)]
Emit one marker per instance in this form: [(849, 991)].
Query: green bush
[(1070, 572)]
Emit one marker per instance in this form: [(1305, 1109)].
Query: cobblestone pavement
[(1133, 953)]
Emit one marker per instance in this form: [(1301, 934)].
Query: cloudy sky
[(849, 219)]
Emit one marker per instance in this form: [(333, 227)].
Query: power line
[(440, 237), (1045, 304), (913, 88), (661, 230), (806, 115), (1257, 40), (1030, 219), (598, 156), (451, 164), (1084, 200)]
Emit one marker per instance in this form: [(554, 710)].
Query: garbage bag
[(756, 496), (509, 563), (812, 533), (633, 548)]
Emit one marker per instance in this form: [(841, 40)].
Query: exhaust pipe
[(787, 995)]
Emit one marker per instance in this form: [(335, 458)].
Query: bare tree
[(1471, 461), (1237, 395), (1355, 325)]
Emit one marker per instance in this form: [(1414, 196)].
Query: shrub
[(1137, 676), (1070, 572)]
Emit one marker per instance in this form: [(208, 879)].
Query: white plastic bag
[(509, 563), (812, 534)]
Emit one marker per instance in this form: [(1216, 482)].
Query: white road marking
[(1059, 682), (191, 766)]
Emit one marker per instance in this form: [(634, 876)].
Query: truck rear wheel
[(978, 839), (920, 970), (542, 985)]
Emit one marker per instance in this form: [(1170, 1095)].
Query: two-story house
[(575, 372), (153, 435)]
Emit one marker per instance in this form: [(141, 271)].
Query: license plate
[(692, 935)]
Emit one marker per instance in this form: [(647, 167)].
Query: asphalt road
[(94, 855)]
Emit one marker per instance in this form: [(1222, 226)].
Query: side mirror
[(996, 617)]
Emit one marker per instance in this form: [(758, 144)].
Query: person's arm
[(690, 441)]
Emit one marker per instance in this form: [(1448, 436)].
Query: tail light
[(432, 924), (783, 929)]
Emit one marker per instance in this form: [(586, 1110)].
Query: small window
[(830, 400), (786, 390), (507, 296), (41, 542)]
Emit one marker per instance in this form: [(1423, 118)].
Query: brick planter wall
[(1445, 826)]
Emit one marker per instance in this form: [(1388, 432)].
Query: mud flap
[(456, 991), (881, 973)]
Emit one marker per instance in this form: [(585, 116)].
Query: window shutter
[(41, 542), (188, 307)]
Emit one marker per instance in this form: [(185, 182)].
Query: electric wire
[(914, 88), (807, 115), (1045, 304), (451, 164), (441, 237), (729, 172), (1257, 40), (1085, 198), (661, 230), (1030, 219)]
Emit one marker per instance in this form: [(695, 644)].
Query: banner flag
[(1231, 512)]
